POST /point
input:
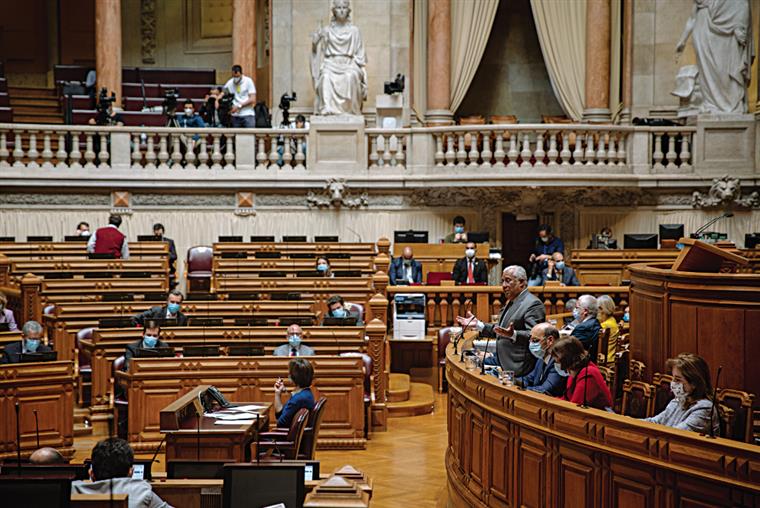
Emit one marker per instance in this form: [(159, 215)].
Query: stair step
[(82, 430), (398, 387), (15, 91), (44, 102), (421, 402), (42, 119), (35, 110)]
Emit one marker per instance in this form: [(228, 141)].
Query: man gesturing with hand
[(519, 315)]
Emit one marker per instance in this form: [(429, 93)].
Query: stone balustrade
[(520, 149)]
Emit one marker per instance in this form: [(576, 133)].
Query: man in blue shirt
[(546, 245), (190, 118), (544, 378)]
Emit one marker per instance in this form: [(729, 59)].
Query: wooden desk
[(47, 387), (190, 435), (51, 250), (190, 493), (440, 257), (509, 447), (352, 248), (78, 265), (153, 383), (247, 267)]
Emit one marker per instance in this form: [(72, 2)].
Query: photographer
[(209, 110), (244, 91), (106, 115)]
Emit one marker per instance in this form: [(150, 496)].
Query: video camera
[(285, 102), (169, 104), (225, 106), (104, 105), (395, 86)]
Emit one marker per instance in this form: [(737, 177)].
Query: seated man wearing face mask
[(336, 308), (169, 311), (469, 269), (294, 347), (405, 269), (31, 342), (557, 270), (149, 341), (544, 378)]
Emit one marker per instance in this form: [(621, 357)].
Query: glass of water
[(509, 377)]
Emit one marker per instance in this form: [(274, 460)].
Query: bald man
[(47, 455), (295, 346), (544, 378), (405, 270)]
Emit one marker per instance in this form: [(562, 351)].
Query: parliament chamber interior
[(379, 253)]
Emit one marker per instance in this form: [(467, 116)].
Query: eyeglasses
[(536, 339)]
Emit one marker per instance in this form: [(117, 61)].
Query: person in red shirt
[(585, 384), (109, 240)]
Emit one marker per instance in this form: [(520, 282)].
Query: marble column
[(439, 63), (625, 114), (597, 61), (244, 36), (108, 46)]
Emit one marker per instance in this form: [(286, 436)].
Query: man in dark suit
[(405, 269), (149, 340), (587, 329), (469, 269), (158, 232), (31, 342), (169, 311), (522, 312), (559, 271), (544, 378)]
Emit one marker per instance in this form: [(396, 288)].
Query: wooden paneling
[(76, 31), (720, 337), (567, 456), (683, 327), (24, 37)]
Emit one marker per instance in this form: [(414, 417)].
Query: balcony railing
[(492, 149)]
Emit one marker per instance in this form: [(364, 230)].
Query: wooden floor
[(406, 463)]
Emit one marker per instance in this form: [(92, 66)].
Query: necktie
[(470, 276), (292, 351)]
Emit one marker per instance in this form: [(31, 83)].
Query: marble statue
[(338, 65), (721, 33)]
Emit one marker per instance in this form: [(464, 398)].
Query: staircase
[(35, 105), (82, 424), (406, 398)]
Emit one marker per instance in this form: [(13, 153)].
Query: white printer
[(409, 316)]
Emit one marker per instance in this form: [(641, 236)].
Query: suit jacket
[(6, 316), (397, 271), (568, 277), (131, 350), (13, 352), (588, 333), (526, 311), (479, 271), (158, 312), (545, 379), (284, 350), (172, 254)]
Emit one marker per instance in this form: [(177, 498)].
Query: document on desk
[(234, 416), (249, 407), (233, 422)]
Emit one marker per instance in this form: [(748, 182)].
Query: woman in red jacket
[(585, 384)]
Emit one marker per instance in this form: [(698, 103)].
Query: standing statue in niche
[(721, 33), (338, 65)]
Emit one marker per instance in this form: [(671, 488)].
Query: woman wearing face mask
[(691, 406), (606, 318), (301, 374), (6, 314), (585, 384), (323, 267)]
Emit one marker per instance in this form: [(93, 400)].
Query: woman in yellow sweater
[(606, 318)]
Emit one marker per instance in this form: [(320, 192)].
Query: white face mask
[(189, 112), (678, 391), (237, 80), (469, 253)]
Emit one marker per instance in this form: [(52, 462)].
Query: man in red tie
[(109, 240), (469, 269)]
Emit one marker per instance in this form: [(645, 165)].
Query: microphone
[(37, 427), (357, 234), (198, 437), (18, 437), (698, 233), (158, 448), (461, 334), (585, 388), (483, 363), (714, 409)]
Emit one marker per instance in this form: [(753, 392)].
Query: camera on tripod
[(226, 101), (285, 102), (169, 104), (395, 86), (103, 107)]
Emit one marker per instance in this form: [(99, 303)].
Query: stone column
[(625, 114), (244, 36), (439, 63), (597, 61), (108, 46)]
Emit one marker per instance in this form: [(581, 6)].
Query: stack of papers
[(239, 415)]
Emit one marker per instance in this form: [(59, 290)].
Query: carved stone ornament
[(148, 31), (725, 192), (336, 195)]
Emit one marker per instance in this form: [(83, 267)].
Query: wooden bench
[(53, 250), (223, 267), (158, 267), (365, 249), (439, 257)]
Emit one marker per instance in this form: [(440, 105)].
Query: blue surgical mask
[(339, 313), (32, 345), (536, 349), (560, 265), (294, 340), (173, 308), (149, 341), (559, 370), (322, 267), (626, 317), (459, 229), (576, 313)]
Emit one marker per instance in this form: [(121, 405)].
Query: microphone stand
[(459, 337), (713, 410), (698, 233), (483, 363), (37, 427), (258, 439), (198, 437), (18, 438), (585, 387)]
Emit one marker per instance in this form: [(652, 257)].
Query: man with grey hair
[(587, 329), (31, 342), (47, 455), (519, 315)]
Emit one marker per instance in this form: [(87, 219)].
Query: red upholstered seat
[(356, 308), (199, 261)]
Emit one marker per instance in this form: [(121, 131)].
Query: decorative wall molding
[(185, 200), (148, 31), (725, 192), (24, 199), (337, 195)]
